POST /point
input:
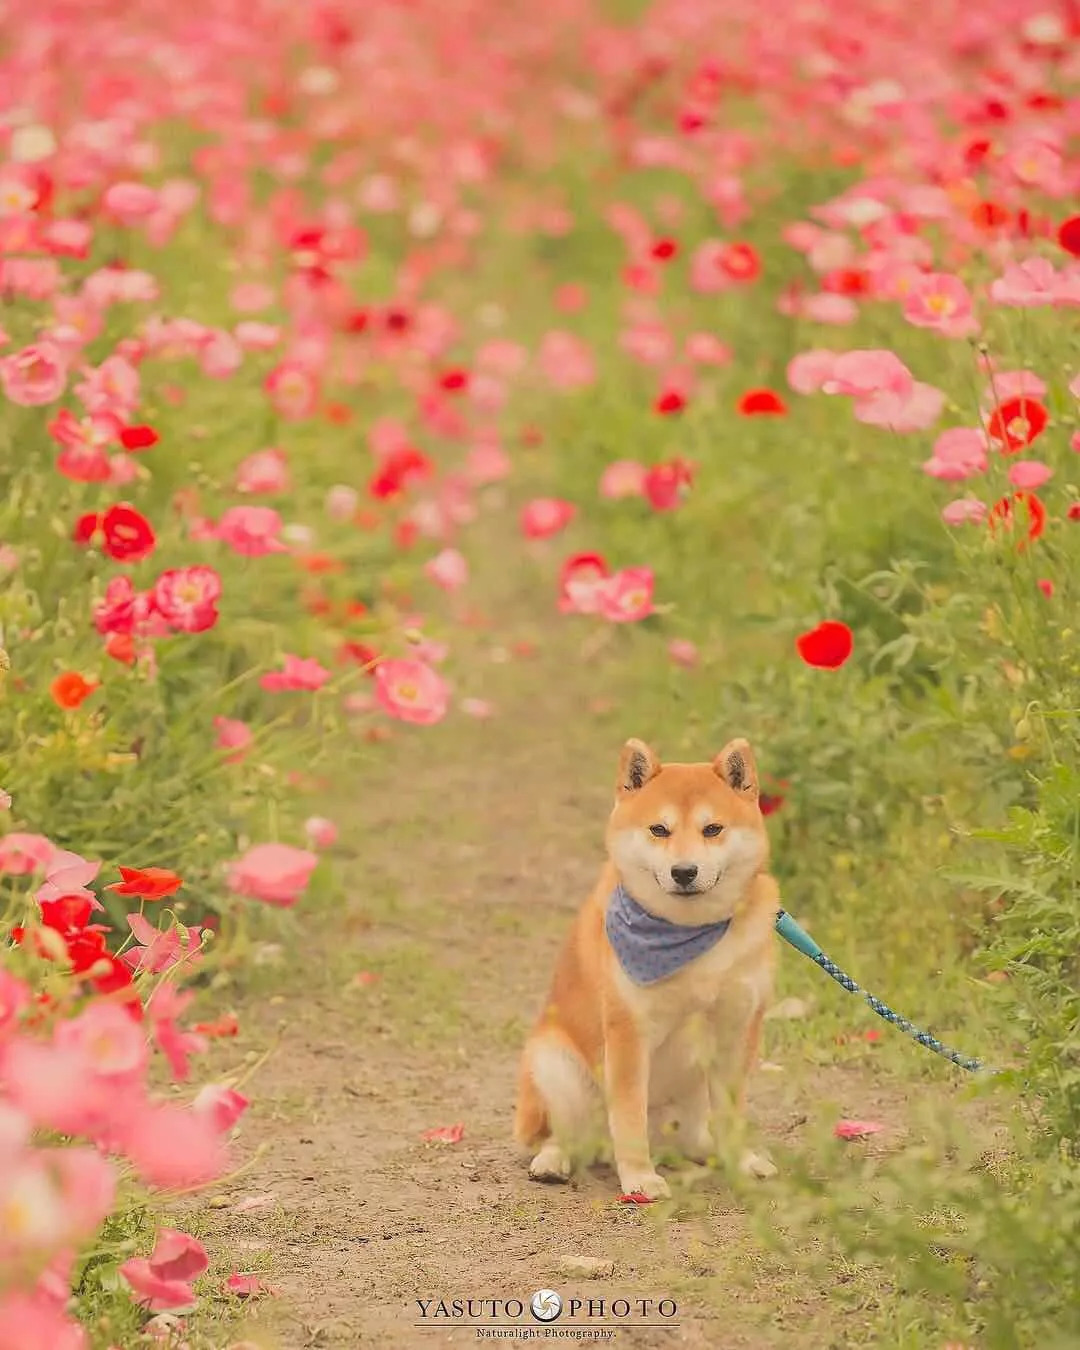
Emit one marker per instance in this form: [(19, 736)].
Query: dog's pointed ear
[(637, 764), (736, 765)]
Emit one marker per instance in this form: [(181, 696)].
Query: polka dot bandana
[(650, 948)]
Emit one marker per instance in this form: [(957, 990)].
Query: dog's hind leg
[(558, 1098)]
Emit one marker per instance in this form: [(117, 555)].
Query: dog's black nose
[(683, 874)]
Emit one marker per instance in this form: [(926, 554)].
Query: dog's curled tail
[(530, 1114)]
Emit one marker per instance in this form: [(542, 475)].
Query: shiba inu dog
[(659, 992)]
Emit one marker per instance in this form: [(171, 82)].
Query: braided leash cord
[(801, 940)]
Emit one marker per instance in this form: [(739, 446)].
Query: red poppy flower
[(741, 262), (454, 381), (111, 976), (66, 912), (226, 1025), (86, 527), (128, 534), (761, 402), (400, 470), (1004, 513), (138, 438), (1017, 422), (146, 883), (1069, 235), (846, 281), (356, 321), (989, 216), (396, 320), (664, 250), (665, 485), (669, 402), (827, 646), (121, 647), (70, 689), (1073, 513), (406, 533), (85, 949)]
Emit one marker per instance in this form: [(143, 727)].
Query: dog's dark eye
[(661, 831), (711, 831)]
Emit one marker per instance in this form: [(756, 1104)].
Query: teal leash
[(801, 940)]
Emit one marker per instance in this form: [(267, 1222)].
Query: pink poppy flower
[(941, 302), (170, 1146), (264, 471), (627, 596), (487, 464), (249, 297), (444, 1134), (964, 511), (863, 374), (222, 1105), (581, 581), (257, 337), (959, 453), (1013, 384), (1029, 473), (566, 361), (110, 1042), (623, 478), (297, 672), (707, 350), (808, 372), (411, 691), (293, 390), (177, 1045), (21, 854), (160, 949), (915, 411), (29, 1321), (14, 998), (52, 1086), (856, 1129), (68, 874), (828, 307), (276, 874), (448, 570), (321, 833), (186, 598), (1026, 285), (34, 376), (683, 652), (130, 203), (88, 1186), (251, 531), (157, 1291), (544, 517), (111, 388), (233, 736)]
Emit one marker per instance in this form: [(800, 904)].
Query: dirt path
[(471, 845)]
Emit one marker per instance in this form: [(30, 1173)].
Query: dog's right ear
[(637, 764)]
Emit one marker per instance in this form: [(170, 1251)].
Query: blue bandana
[(650, 948)]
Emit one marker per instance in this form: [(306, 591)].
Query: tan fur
[(678, 1051)]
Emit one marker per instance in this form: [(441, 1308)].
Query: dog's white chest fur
[(707, 985)]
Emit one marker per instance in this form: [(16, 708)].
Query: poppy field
[(402, 404)]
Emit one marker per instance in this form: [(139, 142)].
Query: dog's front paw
[(649, 1184), (757, 1165), (550, 1164)]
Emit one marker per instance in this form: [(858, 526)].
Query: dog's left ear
[(736, 765)]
